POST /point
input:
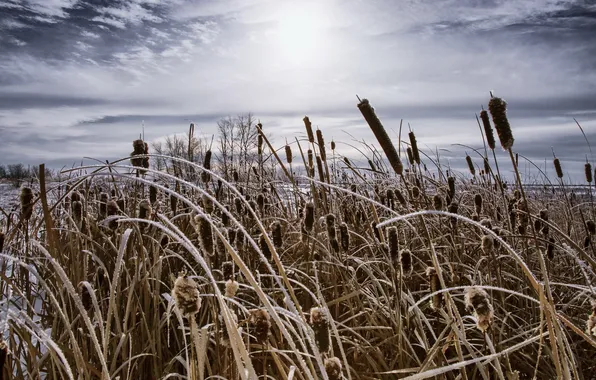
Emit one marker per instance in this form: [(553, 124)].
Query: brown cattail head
[(321, 144), (235, 175), (85, 296), (144, 209), (309, 216), (405, 262), (103, 205), (488, 129), (393, 243), (382, 137), (319, 322), (344, 236), (435, 285), (2, 238), (26, 203), (152, 194), (476, 300), (498, 110), (260, 144), (414, 144), (288, 154), (438, 202), (308, 125), (415, 192), (470, 165), (488, 244), (591, 227), (558, 168), (451, 188), (205, 234), (588, 171), (332, 145), (186, 295), (260, 324), (264, 246), (206, 177), (276, 234), (410, 156), (77, 212), (333, 368), (478, 203), (400, 197)]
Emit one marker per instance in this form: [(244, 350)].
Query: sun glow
[(301, 35)]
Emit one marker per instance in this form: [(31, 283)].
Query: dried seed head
[(206, 177), (498, 110), (186, 295), (235, 175), (152, 194), (85, 296), (321, 144), (77, 212), (26, 203), (332, 145), (435, 285), (309, 216), (377, 233), (488, 244), (260, 324), (451, 187), (550, 249), (333, 368), (393, 243), (264, 246), (260, 144), (231, 288), (144, 209), (400, 197), (591, 227), (344, 237), (488, 129), (308, 125), (319, 322), (477, 301), (205, 234), (558, 168), (438, 202), (414, 145), (478, 203), (2, 238), (588, 171), (405, 262), (471, 165), (382, 137), (103, 205), (288, 154), (415, 192), (486, 166)]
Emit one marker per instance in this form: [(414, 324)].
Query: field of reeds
[(394, 269)]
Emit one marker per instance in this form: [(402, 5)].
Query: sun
[(300, 32)]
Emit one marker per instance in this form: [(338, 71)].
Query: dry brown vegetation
[(395, 270)]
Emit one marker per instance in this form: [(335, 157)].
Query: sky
[(80, 78)]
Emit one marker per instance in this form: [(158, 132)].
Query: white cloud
[(110, 21)]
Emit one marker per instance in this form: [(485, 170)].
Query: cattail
[(309, 216), (588, 171), (232, 233), (235, 175), (375, 125), (144, 209), (238, 205), (140, 148), (488, 130), (111, 210), (410, 155), (186, 295), (85, 296), (320, 169), (332, 145), (205, 233), (591, 324), (451, 187), (405, 262), (206, 177), (558, 168), (438, 202), (488, 244), (260, 324), (333, 368), (415, 192), (320, 325), (498, 110), (486, 166), (400, 197), (2, 238), (476, 301), (414, 144), (26, 203), (276, 234), (471, 165), (344, 236), (591, 227), (260, 144), (152, 194), (227, 269), (372, 165), (103, 205), (264, 246), (550, 249), (393, 243), (435, 285), (308, 125), (288, 154), (77, 212), (478, 203), (587, 241), (377, 233), (231, 288), (331, 233), (321, 144)]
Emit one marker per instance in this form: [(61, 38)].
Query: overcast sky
[(79, 77)]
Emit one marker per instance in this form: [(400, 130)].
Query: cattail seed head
[(321, 144), (550, 249), (478, 203), (588, 171), (144, 209), (438, 202), (471, 165), (558, 168), (260, 144), (2, 238), (152, 194), (26, 203), (206, 177), (488, 130), (85, 296), (333, 368), (451, 187), (488, 244), (235, 175), (591, 227), (382, 137), (205, 234), (264, 246), (435, 285), (476, 300), (486, 166), (103, 205), (309, 216), (410, 156), (498, 110), (400, 197), (414, 145), (344, 236), (276, 234), (288, 154), (308, 125), (332, 145), (231, 288), (260, 324), (405, 262), (393, 243), (319, 322), (415, 192), (186, 295), (377, 233), (77, 212)]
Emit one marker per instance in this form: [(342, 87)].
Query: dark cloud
[(19, 101)]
